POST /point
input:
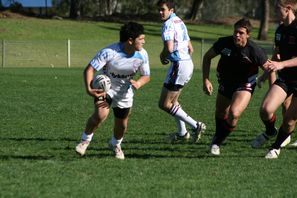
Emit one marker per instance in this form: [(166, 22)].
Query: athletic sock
[(270, 126), (87, 137), (116, 142), (180, 114), (223, 130), (181, 127), (280, 138)]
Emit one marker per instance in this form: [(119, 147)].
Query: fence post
[(3, 53), (201, 56), (68, 54)]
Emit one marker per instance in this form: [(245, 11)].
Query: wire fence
[(77, 53), (47, 53)]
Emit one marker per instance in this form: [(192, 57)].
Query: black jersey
[(238, 65), (286, 41)]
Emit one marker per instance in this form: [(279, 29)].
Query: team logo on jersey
[(246, 59), (292, 40), (226, 52), (278, 37)]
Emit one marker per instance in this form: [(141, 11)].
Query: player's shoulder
[(293, 25), (114, 47), (255, 49), (225, 41), (109, 51), (142, 54), (253, 45)]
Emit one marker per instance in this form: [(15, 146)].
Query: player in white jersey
[(120, 61), (177, 50)]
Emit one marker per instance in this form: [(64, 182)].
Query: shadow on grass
[(134, 148)]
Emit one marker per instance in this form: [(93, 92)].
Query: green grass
[(43, 43), (43, 112)]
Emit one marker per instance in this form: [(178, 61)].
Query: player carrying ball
[(120, 61)]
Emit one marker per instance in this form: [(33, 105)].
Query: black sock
[(281, 137), (270, 126), (223, 129)]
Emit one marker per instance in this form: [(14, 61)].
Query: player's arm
[(270, 75), (140, 82), (207, 86), (89, 72), (191, 49), (167, 49), (275, 57), (276, 65)]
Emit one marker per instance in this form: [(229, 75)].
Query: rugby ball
[(101, 81)]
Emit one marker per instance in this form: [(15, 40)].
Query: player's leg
[(181, 125), (166, 103), (94, 121), (167, 99), (286, 129), (179, 75), (222, 108), (272, 100), (239, 103), (121, 116), (285, 106)]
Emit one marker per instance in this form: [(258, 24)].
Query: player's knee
[(164, 106), (97, 119), (288, 125), (121, 128), (234, 114), (264, 113)]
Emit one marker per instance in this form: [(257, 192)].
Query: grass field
[(43, 43), (43, 112)]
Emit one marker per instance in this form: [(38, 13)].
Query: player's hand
[(163, 59), (273, 66), (207, 87), (102, 104), (135, 84), (96, 93)]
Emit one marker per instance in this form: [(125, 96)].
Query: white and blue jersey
[(174, 29), (120, 68)]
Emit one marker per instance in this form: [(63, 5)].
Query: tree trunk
[(264, 26), (74, 9), (195, 13)]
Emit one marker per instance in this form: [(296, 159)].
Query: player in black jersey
[(237, 73), (286, 84)]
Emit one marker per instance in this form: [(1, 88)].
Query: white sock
[(179, 113), (116, 142), (181, 127), (87, 137)]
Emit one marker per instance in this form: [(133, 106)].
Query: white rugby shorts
[(122, 97), (179, 73)]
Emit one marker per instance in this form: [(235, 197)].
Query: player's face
[(139, 42), (240, 36), (165, 12), (281, 12)]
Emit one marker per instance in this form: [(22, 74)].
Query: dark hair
[(244, 23), (131, 30), (169, 4)]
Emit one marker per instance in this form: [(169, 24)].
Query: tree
[(74, 9), (195, 13), (264, 25)]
